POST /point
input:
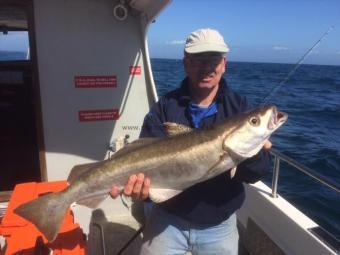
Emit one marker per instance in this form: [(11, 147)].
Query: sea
[(311, 97)]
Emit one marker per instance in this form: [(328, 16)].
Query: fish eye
[(254, 121)]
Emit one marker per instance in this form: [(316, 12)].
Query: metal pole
[(306, 170), (275, 180)]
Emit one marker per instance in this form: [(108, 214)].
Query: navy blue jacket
[(216, 199)]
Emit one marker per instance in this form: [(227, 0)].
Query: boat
[(80, 96)]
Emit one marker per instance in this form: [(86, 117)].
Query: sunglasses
[(205, 59)]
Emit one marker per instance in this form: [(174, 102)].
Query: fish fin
[(233, 172), (217, 164), (78, 170), (158, 195), (173, 129), (215, 167), (92, 202), (236, 158), (135, 145), (143, 141), (46, 213)]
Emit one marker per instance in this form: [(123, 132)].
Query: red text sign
[(98, 115), (95, 81), (135, 70)]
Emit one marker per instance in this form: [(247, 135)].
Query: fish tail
[(46, 213)]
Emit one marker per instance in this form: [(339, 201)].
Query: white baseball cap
[(205, 40)]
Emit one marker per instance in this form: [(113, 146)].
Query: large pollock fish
[(173, 164)]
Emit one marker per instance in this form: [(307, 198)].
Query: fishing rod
[(297, 65)]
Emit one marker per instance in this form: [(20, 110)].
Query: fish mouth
[(277, 119)]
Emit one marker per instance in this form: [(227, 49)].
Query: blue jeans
[(166, 234)]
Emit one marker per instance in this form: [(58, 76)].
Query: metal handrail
[(304, 169)]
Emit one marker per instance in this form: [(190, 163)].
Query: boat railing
[(278, 157)]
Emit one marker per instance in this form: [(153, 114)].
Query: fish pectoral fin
[(236, 158), (159, 195), (233, 172), (78, 170), (216, 166), (173, 129), (93, 201)]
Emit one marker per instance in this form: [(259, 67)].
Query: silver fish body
[(173, 164)]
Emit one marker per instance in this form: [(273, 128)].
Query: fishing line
[(297, 65)]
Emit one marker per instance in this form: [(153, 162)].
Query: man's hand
[(267, 145), (137, 187)]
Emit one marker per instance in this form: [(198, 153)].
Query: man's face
[(204, 70)]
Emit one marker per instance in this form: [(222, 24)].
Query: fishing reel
[(117, 144)]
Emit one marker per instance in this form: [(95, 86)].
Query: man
[(201, 219)]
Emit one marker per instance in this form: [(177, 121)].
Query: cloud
[(280, 48), (176, 42)]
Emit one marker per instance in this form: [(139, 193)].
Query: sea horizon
[(253, 62), (19, 53)]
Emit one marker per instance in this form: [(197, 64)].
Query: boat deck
[(103, 234)]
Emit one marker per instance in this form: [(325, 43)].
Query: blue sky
[(14, 41), (279, 31), (256, 30)]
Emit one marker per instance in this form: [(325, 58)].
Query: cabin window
[(19, 148), (14, 45)]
